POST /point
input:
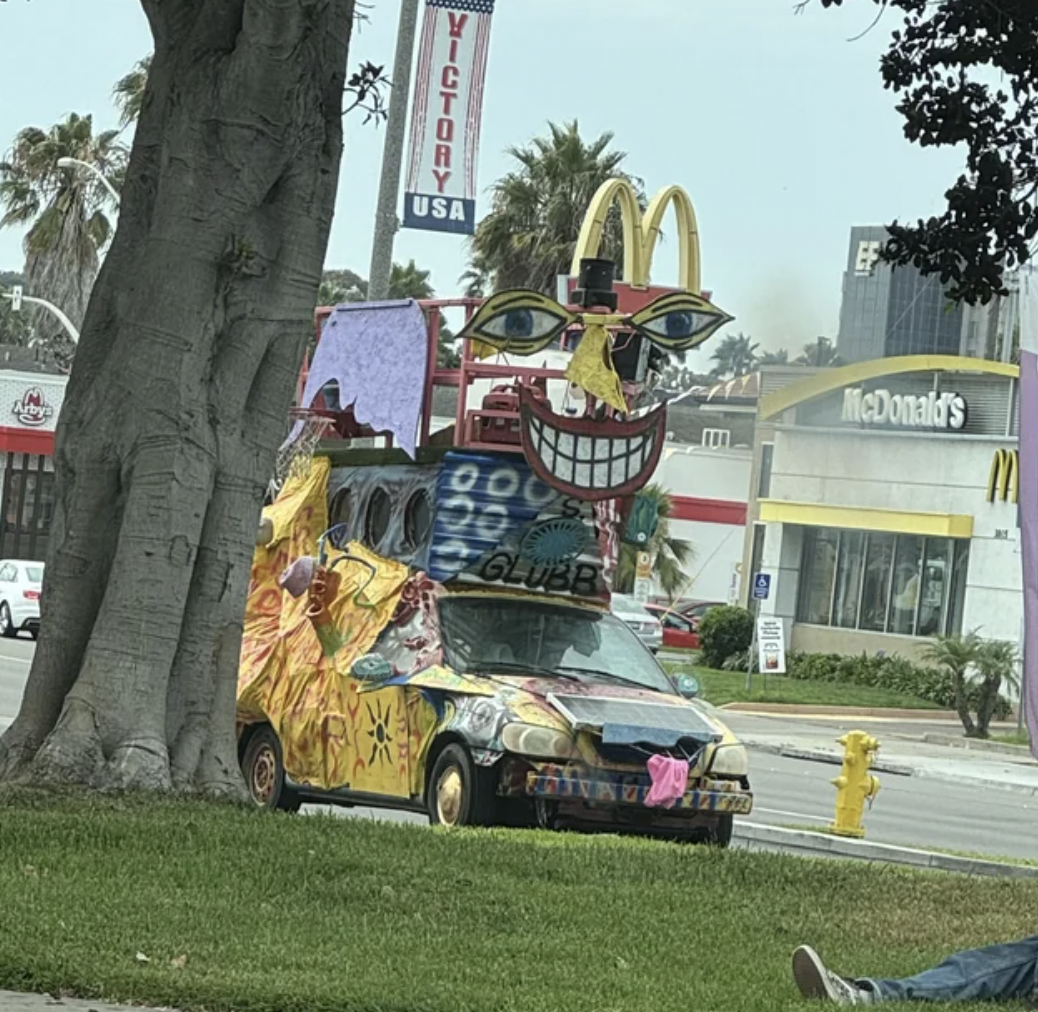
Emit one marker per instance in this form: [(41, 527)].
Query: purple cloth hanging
[(377, 352)]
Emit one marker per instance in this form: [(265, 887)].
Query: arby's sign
[(440, 194)]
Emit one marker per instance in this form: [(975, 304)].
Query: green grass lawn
[(720, 687), (1014, 738), (197, 907)]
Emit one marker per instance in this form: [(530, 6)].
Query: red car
[(678, 630)]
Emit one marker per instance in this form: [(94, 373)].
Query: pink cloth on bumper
[(669, 779)]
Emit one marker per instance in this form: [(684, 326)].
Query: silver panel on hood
[(598, 711)]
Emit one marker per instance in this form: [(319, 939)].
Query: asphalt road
[(908, 811)]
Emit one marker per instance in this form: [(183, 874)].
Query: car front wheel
[(460, 793)]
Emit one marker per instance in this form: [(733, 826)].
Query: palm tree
[(528, 238), (735, 356), (820, 353), (129, 92), (779, 357), (957, 654), (669, 555), (410, 282), (997, 662), (66, 211)]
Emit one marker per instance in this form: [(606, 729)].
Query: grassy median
[(217, 908), (721, 687)]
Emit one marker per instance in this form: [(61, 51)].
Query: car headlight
[(730, 761), (537, 742)]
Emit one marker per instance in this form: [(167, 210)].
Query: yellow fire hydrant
[(855, 785)]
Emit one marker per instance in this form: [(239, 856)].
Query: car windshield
[(484, 635), (35, 573)]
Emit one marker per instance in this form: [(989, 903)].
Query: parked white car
[(642, 622), (20, 586)]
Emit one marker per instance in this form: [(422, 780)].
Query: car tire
[(7, 629), (264, 772), (460, 793), (721, 835)]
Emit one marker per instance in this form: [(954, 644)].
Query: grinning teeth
[(590, 462)]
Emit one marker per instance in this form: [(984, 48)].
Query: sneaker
[(815, 981)]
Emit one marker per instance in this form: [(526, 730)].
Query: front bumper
[(608, 789)]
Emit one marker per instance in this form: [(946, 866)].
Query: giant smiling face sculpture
[(603, 454)]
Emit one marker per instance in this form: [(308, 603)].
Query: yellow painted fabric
[(591, 367), (311, 700)]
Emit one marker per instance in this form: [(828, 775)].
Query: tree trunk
[(179, 395), (986, 702), (962, 703)]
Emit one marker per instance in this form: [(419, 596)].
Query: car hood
[(621, 714)]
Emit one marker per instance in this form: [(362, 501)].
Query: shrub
[(894, 673), (724, 631)]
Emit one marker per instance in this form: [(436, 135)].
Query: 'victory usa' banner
[(1029, 493), (440, 195)]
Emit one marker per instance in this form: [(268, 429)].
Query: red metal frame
[(467, 422)]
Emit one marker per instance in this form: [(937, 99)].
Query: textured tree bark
[(962, 703), (178, 397)]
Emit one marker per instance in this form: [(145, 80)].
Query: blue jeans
[(995, 973)]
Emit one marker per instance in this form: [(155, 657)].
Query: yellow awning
[(933, 525)]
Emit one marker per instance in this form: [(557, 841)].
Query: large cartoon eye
[(679, 321), (521, 321)]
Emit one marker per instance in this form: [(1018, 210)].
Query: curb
[(759, 836), (821, 756), (980, 745), (935, 716), (895, 769)]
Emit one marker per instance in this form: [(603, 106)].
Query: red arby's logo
[(31, 408)]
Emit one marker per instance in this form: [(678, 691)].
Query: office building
[(889, 311)]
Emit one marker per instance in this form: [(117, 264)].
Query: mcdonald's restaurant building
[(883, 503)]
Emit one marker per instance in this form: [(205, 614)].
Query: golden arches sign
[(1004, 480), (642, 232)]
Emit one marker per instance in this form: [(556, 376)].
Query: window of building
[(904, 595), (818, 571), (901, 584), (848, 579), (875, 585), (767, 455)]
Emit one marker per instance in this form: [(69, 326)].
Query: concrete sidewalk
[(936, 756), (11, 1001)]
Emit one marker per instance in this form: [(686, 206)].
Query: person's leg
[(994, 973)]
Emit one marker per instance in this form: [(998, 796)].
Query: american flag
[(1029, 495), (437, 14)]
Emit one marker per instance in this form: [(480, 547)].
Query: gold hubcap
[(448, 796), (264, 774)]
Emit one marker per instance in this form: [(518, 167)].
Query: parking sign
[(761, 586)]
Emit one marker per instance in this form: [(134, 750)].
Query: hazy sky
[(776, 124)]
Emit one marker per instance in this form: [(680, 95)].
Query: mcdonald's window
[(900, 584)]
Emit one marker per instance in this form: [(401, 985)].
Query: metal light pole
[(75, 163), (16, 299), (386, 222)]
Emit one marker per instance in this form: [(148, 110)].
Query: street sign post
[(761, 590)]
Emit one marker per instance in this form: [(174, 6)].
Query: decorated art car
[(428, 624)]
